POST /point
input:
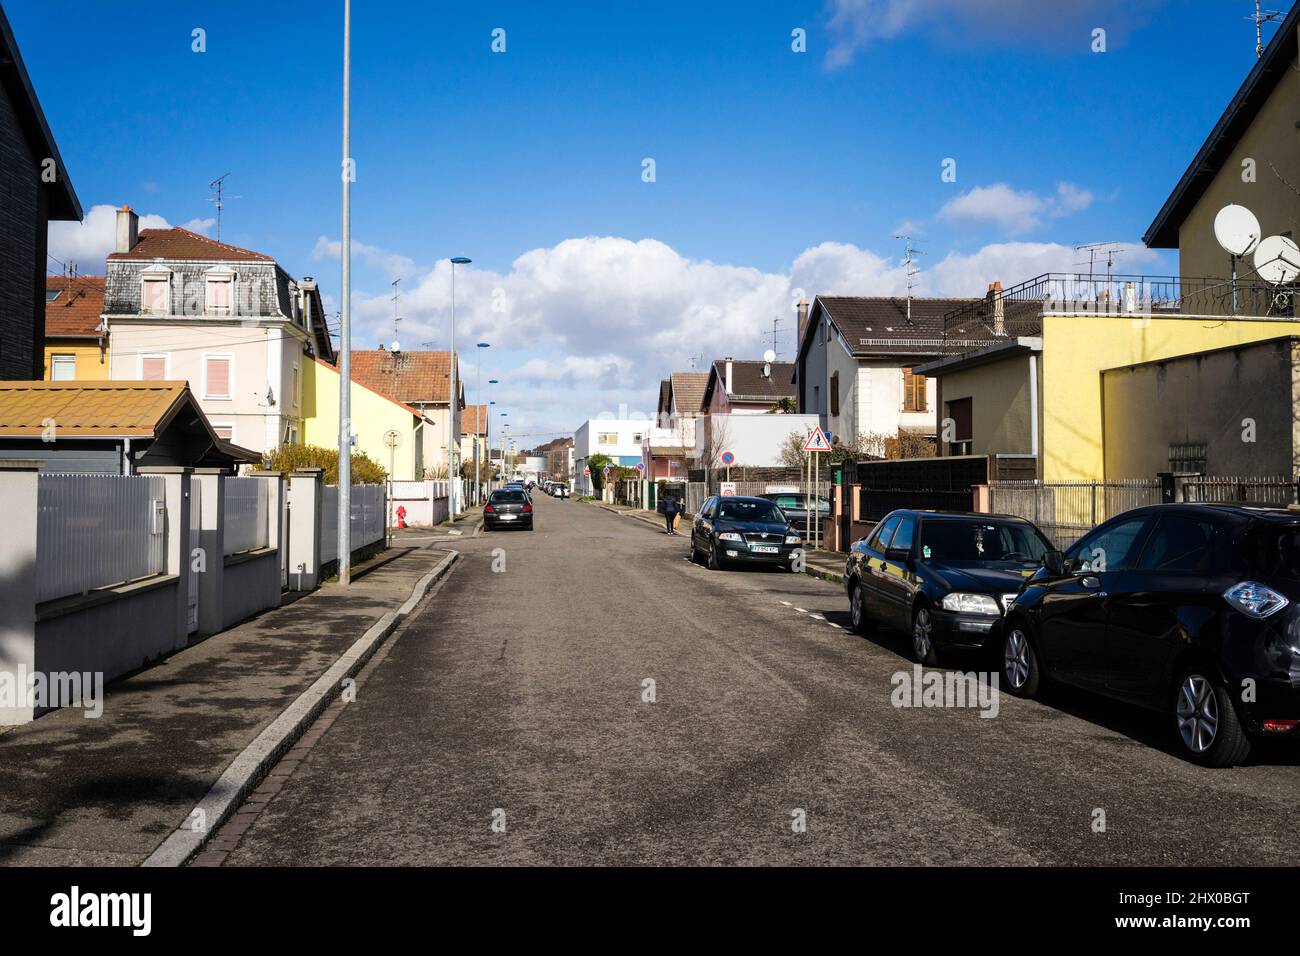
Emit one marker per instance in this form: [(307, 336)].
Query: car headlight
[(964, 603), (793, 539), (1254, 600), (729, 536)]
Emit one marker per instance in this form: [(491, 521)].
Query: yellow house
[(386, 430), (76, 347)]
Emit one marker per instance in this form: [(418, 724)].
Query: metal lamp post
[(478, 397), (453, 400), (487, 438), (345, 330)]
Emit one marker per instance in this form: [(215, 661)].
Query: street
[(511, 721)]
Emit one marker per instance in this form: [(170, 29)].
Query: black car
[(508, 508), (1187, 609), (730, 529), (797, 507), (945, 578)]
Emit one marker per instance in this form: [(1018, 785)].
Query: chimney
[(728, 382), (802, 311), (128, 229), (995, 298)]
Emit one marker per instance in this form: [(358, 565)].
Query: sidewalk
[(827, 565), (108, 791)]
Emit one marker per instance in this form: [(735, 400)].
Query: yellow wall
[(1077, 348), (89, 365), (372, 416)]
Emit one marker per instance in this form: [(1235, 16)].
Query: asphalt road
[(516, 697)]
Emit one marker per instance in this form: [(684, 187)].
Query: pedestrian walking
[(672, 506)]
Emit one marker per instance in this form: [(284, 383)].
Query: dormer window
[(218, 291), (156, 290)]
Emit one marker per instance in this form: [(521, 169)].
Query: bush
[(365, 470)]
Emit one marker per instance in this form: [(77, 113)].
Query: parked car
[(561, 490), (797, 505), (945, 578), (734, 530), (508, 508), (1186, 609)]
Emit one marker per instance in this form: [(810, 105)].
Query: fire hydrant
[(401, 516)]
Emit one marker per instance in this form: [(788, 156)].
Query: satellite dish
[(1277, 260), (769, 356), (1237, 230), (396, 347)]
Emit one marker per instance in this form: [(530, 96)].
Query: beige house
[(230, 321)]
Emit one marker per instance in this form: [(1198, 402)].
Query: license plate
[(507, 517), (766, 549)]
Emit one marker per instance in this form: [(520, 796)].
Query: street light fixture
[(453, 399)]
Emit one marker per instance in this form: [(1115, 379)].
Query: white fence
[(247, 514), (367, 525), (424, 502), (97, 530)]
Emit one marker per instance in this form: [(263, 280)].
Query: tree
[(597, 463), (365, 470)]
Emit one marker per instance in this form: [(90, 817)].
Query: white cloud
[(969, 274), (1070, 199), (88, 243), (392, 264), (201, 226), (1014, 212)]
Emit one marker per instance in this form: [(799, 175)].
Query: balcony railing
[(1019, 310)]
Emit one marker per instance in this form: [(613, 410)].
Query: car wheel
[(715, 563), (1020, 663), (1208, 728), (858, 609), (923, 648)]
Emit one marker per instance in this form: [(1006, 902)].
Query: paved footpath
[(108, 791)]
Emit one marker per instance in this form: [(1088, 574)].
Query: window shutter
[(155, 296), (224, 432), (835, 393), (153, 368), (218, 378)]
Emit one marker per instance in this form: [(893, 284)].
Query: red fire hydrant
[(401, 516)]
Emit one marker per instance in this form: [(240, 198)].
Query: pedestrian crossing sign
[(817, 441)]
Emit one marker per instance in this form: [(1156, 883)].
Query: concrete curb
[(835, 577), (247, 769)]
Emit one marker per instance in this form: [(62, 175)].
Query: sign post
[(728, 459), (817, 442)]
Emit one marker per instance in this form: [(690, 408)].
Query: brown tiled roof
[(688, 390), (77, 310), (409, 377), (748, 383), (879, 325), (473, 420), (335, 369), (88, 409), (178, 243)]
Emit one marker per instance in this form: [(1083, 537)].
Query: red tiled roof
[(76, 311), (410, 377), (178, 243), (473, 420)]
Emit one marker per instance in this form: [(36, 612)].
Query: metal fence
[(97, 530), (1278, 490), (367, 503), (1064, 510), (247, 511)]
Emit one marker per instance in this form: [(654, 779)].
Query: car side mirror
[(1054, 562)]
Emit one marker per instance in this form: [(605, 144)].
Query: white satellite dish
[(1237, 230), (769, 356), (396, 347), (1277, 260)]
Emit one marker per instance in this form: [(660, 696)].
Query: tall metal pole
[(345, 331), (478, 397), (452, 402)]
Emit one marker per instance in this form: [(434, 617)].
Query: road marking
[(834, 625), (800, 610), (817, 617), (787, 604)]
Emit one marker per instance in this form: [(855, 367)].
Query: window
[(914, 395), (1179, 543), (52, 294), (297, 388), (880, 540), (216, 376), (952, 540), (902, 540), (153, 368), (957, 431), (1187, 458), (607, 438), (817, 399), (63, 368), (835, 393), (637, 438), (224, 432), (733, 509), (217, 293), (155, 295), (1110, 547)]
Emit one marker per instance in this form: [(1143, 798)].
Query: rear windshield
[(947, 541), (749, 511), (802, 503), (1273, 551), (509, 496)]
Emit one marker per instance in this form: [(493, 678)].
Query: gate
[(192, 575)]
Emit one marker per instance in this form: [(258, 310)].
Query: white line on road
[(801, 610)]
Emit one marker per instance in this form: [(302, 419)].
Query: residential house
[(110, 428), (387, 431), (618, 438), (76, 343), (230, 321), (670, 444), (474, 423), (856, 365), (422, 380), (559, 458), (747, 387), (36, 190)]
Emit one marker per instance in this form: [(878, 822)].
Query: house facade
[(76, 342), (421, 379), (618, 438), (230, 321), (747, 387), (670, 445), (35, 190), (375, 420)]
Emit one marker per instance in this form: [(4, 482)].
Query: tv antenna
[(776, 331), (219, 198), (1095, 250), (909, 263), (694, 359), (1261, 17), (396, 293)]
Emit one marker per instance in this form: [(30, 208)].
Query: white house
[(618, 438)]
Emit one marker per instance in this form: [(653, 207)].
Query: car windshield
[(950, 541), (1273, 551), (802, 503), (733, 510), (508, 496)]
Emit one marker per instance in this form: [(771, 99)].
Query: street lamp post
[(487, 438), (345, 327), (453, 400), (478, 397)]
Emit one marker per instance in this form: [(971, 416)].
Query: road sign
[(640, 466), (817, 441), (586, 472), (728, 458), (728, 489)]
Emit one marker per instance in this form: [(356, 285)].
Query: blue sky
[(775, 171)]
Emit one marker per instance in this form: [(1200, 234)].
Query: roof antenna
[(776, 329), (1261, 17), (909, 260), (218, 187)]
